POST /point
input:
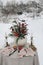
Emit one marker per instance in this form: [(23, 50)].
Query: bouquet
[(19, 29)]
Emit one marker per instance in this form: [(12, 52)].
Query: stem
[(17, 44), (17, 47)]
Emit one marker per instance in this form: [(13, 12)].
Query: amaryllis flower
[(16, 34)]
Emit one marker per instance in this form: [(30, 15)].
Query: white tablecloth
[(15, 60)]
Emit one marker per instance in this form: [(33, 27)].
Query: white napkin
[(7, 50), (26, 52)]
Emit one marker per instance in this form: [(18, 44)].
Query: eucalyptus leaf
[(15, 26), (11, 35), (14, 22), (23, 20)]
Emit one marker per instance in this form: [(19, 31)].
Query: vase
[(20, 43)]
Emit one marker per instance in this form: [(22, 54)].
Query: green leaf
[(14, 22), (17, 39), (23, 20), (16, 30), (15, 26), (10, 34)]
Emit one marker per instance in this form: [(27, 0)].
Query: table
[(15, 60)]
